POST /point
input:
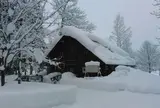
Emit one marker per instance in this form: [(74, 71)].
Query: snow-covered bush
[(44, 72), (52, 77), (68, 75)]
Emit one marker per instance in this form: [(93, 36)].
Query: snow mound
[(11, 78), (156, 73), (93, 84), (44, 72), (134, 80), (36, 95), (139, 81), (123, 68), (47, 78), (120, 71), (68, 75), (124, 78)]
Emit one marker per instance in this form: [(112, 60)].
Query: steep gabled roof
[(109, 53)]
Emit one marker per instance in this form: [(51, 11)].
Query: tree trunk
[(31, 69), (150, 70), (25, 72), (19, 70), (2, 78), (19, 73)]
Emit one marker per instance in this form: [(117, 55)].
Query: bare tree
[(121, 34), (148, 57)]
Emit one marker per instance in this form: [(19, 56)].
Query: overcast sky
[(136, 14)]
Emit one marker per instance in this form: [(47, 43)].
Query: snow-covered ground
[(156, 73), (123, 79), (100, 99), (35, 95), (124, 88)]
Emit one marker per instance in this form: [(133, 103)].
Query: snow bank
[(96, 85), (10, 78), (156, 73), (69, 78), (68, 75), (139, 81), (101, 99), (124, 78), (36, 95)]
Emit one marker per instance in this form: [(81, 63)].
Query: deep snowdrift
[(36, 95), (124, 78), (87, 98)]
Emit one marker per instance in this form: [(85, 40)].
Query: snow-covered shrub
[(68, 75), (52, 77), (44, 72)]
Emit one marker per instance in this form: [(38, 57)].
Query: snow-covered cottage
[(76, 47)]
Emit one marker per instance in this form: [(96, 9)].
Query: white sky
[(136, 15)]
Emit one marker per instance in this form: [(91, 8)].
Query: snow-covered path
[(100, 99)]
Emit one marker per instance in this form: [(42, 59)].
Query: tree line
[(148, 56)]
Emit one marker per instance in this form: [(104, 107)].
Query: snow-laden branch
[(4, 35), (18, 32), (23, 36), (25, 10), (52, 14)]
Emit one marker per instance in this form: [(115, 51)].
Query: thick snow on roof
[(92, 63), (109, 53)]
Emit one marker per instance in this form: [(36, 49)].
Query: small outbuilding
[(75, 47)]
